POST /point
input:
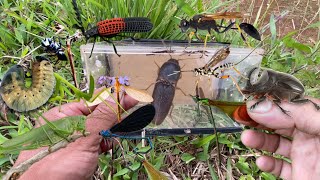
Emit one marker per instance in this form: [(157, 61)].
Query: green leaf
[(135, 166), (96, 4), (30, 21), (246, 177), (185, 7), (121, 172), (289, 35), (18, 35), (273, 29), (159, 161), (199, 5), (2, 139), (2, 46), (229, 169), (205, 140), (314, 25), (213, 174), (25, 51), (202, 156), (4, 160), (291, 43), (267, 176), (18, 17), (243, 167), (186, 157), (176, 151)]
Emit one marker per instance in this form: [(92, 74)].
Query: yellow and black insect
[(21, 98)]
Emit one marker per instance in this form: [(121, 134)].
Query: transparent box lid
[(140, 61)]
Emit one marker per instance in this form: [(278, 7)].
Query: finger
[(279, 168), (73, 109), (267, 142), (70, 109), (103, 117), (241, 116), (301, 116)]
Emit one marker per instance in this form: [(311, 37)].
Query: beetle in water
[(112, 27), (275, 85), (164, 89)]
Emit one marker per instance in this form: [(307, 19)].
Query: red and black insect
[(112, 27)]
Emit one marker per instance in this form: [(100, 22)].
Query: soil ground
[(301, 13)]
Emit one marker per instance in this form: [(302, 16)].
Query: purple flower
[(124, 80), (110, 81), (106, 81), (102, 80)]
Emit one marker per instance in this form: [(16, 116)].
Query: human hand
[(80, 158), (302, 127)]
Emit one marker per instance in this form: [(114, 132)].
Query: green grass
[(25, 23)]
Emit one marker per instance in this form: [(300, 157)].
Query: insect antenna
[(78, 15), (247, 55)]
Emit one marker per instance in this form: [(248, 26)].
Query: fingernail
[(263, 107)]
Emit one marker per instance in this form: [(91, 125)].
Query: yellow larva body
[(22, 99)]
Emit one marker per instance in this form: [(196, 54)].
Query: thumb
[(304, 117)]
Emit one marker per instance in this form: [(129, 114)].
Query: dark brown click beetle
[(276, 85), (164, 89)]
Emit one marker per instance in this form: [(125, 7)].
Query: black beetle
[(276, 85), (164, 90)]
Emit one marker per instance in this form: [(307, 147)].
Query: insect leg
[(182, 91), (233, 80), (242, 36), (237, 71), (114, 47), (221, 22), (297, 100), (94, 42), (152, 83), (315, 105), (205, 43), (277, 102), (225, 28), (258, 102), (190, 37)]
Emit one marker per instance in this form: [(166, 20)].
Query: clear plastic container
[(140, 61)]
